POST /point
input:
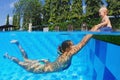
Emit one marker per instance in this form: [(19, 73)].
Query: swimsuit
[(105, 29)]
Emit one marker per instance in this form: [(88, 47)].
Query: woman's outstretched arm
[(84, 41)]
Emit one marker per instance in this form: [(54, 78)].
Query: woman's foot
[(6, 55), (14, 42)]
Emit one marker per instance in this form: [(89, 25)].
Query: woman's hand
[(95, 28)]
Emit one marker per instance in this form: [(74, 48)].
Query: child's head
[(103, 11)]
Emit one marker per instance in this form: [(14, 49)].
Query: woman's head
[(65, 46)]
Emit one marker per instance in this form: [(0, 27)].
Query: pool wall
[(98, 60), (105, 58)]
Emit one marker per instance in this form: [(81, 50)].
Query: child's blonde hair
[(103, 8)]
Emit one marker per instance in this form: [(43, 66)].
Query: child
[(105, 24)]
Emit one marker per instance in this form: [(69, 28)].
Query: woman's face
[(71, 43)]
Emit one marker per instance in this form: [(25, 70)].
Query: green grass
[(115, 39)]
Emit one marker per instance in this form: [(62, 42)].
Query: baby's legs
[(21, 49)]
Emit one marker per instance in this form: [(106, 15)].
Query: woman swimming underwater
[(67, 50)]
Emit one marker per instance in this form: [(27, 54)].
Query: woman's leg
[(24, 54), (14, 59), (45, 61)]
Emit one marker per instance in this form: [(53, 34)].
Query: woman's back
[(61, 63)]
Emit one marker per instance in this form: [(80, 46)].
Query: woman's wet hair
[(66, 44)]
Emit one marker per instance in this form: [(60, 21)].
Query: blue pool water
[(98, 60)]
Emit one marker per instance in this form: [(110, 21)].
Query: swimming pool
[(98, 60)]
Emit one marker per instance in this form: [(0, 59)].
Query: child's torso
[(108, 22)]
